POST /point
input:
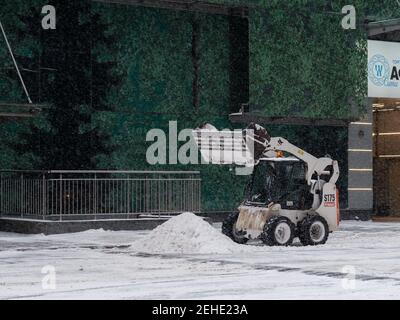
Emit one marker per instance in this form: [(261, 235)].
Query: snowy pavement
[(360, 261)]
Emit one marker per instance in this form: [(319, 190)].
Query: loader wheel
[(313, 230), (229, 229), (278, 231)]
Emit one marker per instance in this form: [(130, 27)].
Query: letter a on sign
[(49, 20), (349, 20)]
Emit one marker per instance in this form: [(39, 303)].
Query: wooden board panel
[(387, 121), (381, 195), (384, 123), (386, 141), (394, 187), (387, 186), (388, 145)]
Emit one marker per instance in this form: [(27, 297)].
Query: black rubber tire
[(268, 234), (304, 228), (227, 228)]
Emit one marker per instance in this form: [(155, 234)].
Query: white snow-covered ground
[(360, 261)]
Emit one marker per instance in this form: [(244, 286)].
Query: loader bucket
[(240, 147), (222, 147)]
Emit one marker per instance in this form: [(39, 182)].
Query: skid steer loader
[(286, 197)]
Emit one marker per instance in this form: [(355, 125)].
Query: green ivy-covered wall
[(304, 63), (301, 62), (10, 87), (155, 56)]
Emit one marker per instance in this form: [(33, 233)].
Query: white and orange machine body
[(287, 197)]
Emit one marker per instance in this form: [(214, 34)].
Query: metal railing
[(98, 194)]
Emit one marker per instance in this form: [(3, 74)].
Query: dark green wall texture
[(186, 67)]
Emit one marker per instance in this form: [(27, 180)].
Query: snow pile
[(186, 233)]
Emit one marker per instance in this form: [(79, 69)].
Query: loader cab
[(279, 180)]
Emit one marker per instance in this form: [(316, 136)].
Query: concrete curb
[(47, 227)]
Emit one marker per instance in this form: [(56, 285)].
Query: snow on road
[(109, 265)]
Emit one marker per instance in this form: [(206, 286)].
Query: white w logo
[(378, 70)]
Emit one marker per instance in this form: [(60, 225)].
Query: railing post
[(1, 194), (199, 192), (44, 198), (21, 198), (95, 197), (128, 196), (61, 197), (159, 194)]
